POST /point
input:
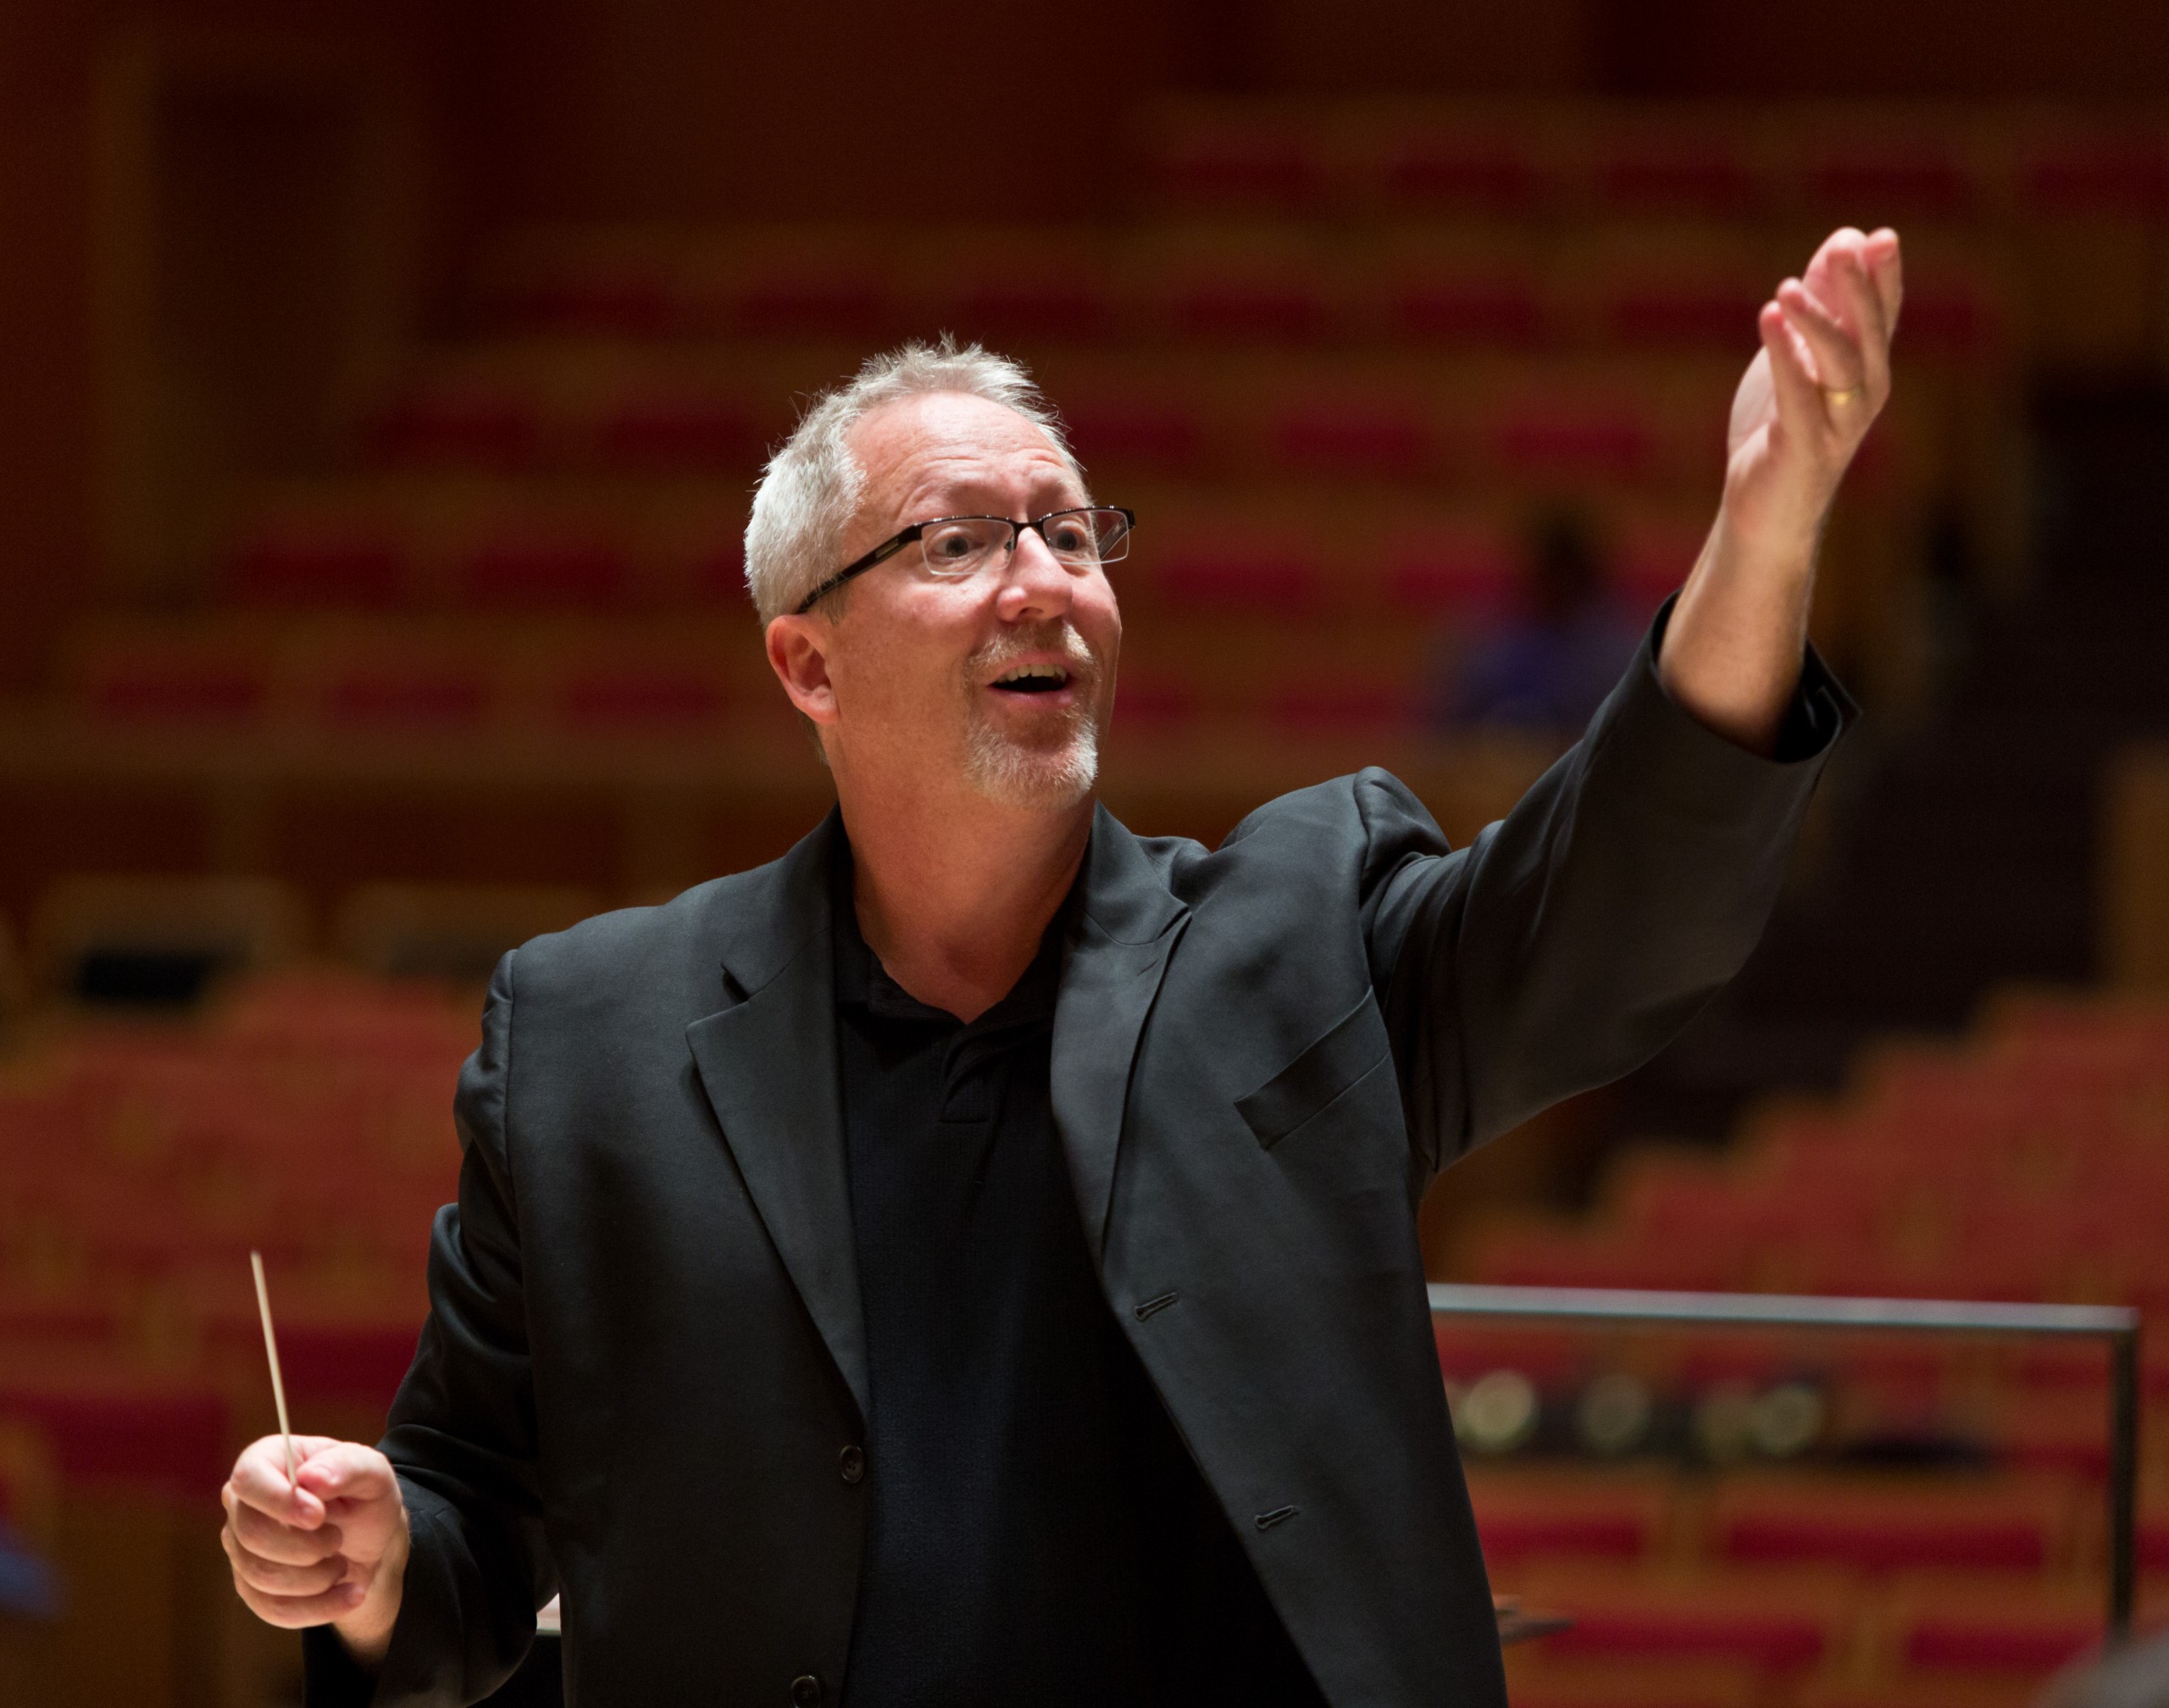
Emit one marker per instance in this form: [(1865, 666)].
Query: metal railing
[(2117, 1325)]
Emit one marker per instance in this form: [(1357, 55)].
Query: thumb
[(346, 1471)]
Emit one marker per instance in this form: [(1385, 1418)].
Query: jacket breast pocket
[(1347, 1051)]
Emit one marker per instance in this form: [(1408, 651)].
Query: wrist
[(1774, 552)]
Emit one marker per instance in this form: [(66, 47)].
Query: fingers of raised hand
[(1859, 280), (1841, 248), (1886, 266), (1839, 360), (1857, 303), (1800, 407)]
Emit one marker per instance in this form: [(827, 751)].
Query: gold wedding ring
[(1848, 395)]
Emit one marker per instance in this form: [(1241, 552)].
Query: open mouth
[(1032, 679)]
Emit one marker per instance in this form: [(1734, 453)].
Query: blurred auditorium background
[(384, 385)]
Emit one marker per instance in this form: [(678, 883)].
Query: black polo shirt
[(1036, 1531)]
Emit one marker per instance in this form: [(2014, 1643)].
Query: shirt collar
[(861, 981)]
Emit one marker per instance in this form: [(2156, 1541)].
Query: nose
[(1037, 587)]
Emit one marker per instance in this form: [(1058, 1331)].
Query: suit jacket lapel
[(1125, 929), (768, 1064)]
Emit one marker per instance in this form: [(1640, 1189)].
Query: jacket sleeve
[(1573, 939), (462, 1433)]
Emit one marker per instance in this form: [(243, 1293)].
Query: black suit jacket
[(645, 1355)]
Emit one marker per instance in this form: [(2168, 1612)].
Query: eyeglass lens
[(1080, 539)]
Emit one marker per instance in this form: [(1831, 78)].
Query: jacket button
[(805, 1691), (851, 1464)]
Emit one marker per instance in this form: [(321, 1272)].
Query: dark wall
[(44, 324), (2086, 50), (662, 108)]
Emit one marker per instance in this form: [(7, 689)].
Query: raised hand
[(1813, 390), (327, 1549), (1733, 648)]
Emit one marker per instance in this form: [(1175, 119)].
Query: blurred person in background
[(1547, 664), (972, 1260)]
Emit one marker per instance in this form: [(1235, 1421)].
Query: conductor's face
[(997, 677)]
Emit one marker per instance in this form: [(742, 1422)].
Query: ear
[(798, 652)]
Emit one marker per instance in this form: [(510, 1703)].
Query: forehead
[(948, 442)]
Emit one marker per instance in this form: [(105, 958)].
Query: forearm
[(1733, 652)]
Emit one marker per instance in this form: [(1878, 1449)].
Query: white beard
[(1048, 777), (1015, 775)]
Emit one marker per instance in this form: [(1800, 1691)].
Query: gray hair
[(811, 487)]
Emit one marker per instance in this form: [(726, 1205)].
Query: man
[(971, 1260)]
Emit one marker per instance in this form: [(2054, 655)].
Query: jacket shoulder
[(673, 947), (1364, 806)]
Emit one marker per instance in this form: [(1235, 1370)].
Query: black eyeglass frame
[(889, 548)]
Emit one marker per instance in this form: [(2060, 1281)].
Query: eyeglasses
[(956, 547)]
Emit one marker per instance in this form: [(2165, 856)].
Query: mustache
[(991, 659)]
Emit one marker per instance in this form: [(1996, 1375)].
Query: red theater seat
[(1686, 312), (172, 1440), (1553, 1515), (1374, 438), (1877, 181), (673, 432), (1226, 163), (718, 567), (1528, 1253), (1345, 705), (1541, 1682), (177, 681), (1924, 1690), (2152, 1542), (1650, 560), (328, 1362), (1063, 309), (1467, 571), (821, 303), (1151, 702), (1886, 1525), (1775, 1626), (1467, 169), (605, 696), (1150, 434), (1949, 1627), (392, 691), (1708, 173), (458, 422), (326, 564), (1249, 306), (1269, 577), (597, 296), (1951, 316), (1498, 308), (1544, 439), (2106, 174), (363, 1362), (540, 568)]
